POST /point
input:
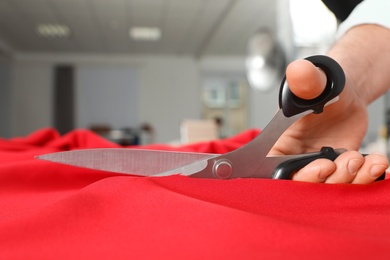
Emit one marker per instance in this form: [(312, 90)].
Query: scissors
[(248, 161)]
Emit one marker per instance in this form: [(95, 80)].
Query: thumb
[(305, 80)]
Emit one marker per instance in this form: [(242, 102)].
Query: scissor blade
[(128, 161)]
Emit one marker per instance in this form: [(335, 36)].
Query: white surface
[(367, 12)]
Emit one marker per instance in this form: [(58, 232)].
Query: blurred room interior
[(135, 70)]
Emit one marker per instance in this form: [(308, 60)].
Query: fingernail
[(354, 165), (377, 170)]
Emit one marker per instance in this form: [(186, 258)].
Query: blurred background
[(135, 70)]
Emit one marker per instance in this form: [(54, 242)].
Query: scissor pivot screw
[(223, 169)]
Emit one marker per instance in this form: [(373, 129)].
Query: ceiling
[(189, 27)]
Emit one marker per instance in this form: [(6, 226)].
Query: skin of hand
[(364, 54)]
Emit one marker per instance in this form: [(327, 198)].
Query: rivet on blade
[(223, 169)]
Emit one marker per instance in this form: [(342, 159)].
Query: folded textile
[(54, 211)]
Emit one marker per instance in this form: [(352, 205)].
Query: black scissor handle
[(292, 105), (286, 169)]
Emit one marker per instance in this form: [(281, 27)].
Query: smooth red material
[(53, 211)]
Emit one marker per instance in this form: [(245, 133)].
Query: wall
[(106, 95), (5, 94), (262, 106), (168, 89), (169, 92), (31, 102)]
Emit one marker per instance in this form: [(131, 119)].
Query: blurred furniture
[(124, 136), (198, 130)]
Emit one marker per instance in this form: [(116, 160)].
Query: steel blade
[(127, 161)]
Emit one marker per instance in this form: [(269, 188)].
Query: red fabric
[(52, 211)]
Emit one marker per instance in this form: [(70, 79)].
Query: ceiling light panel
[(53, 31), (145, 33)]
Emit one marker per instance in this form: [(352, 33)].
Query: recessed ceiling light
[(53, 31), (145, 33)]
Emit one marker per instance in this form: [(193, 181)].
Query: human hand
[(342, 125)]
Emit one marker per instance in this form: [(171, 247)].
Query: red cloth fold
[(52, 211)]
